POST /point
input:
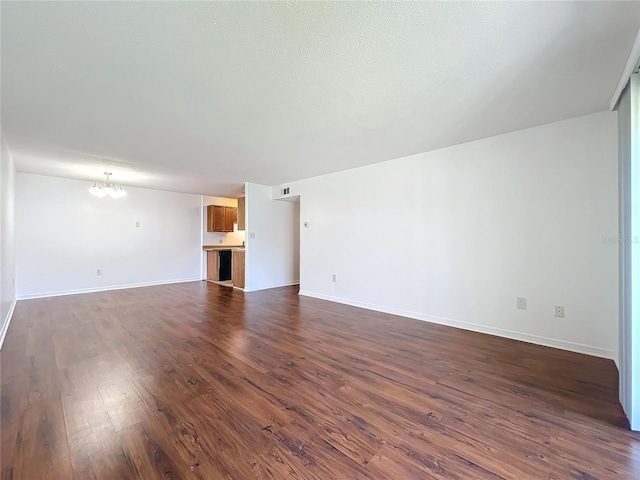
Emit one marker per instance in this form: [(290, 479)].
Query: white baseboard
[(106, 289), (291, 284), (474, 327), (7, 320)]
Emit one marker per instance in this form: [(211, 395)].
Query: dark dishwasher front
[(224, 272)]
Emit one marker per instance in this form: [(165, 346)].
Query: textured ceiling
[(200, 97)]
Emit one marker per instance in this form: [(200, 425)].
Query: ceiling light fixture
[(107, 189)]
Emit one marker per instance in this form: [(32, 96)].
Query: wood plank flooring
[(199, 381)]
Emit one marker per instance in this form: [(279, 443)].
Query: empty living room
[(320, 240)]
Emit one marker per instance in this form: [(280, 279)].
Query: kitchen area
[(224, 241), (268, 256)]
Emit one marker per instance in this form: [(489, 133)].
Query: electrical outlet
[(334, 278), (252, 235), (220, 241), (560, 312), (99, 271), (521, 303), (137, 224)]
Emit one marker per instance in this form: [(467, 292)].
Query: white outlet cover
[(252, 235), (521, 303)]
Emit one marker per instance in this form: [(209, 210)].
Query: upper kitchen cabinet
[(221, 219), (241, 213)]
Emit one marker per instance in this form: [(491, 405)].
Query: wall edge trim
[(106, 289), (7, 321), (290, 284), (474, 327)]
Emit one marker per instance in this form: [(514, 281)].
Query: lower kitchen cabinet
[(237, 274), (212, 265)]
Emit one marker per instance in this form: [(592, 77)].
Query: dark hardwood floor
[(198, 381)]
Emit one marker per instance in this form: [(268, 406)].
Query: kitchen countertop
[(221, 247)]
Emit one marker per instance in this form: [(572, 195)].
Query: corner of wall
[(7, 237), (6, 321)]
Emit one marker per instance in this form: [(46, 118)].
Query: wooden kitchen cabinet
[(212, 265), (229, 217), (237, 273), (241, 212), (221, 219)]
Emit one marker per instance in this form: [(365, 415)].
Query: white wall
[(453, 236), (64, 234), (272, 258), (7, 244)]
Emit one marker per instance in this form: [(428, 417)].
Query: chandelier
[(107, 189)]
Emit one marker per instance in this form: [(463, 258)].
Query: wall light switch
[(99, 271), (560, 312), (334, 278), (521, 303), (307, 224)]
